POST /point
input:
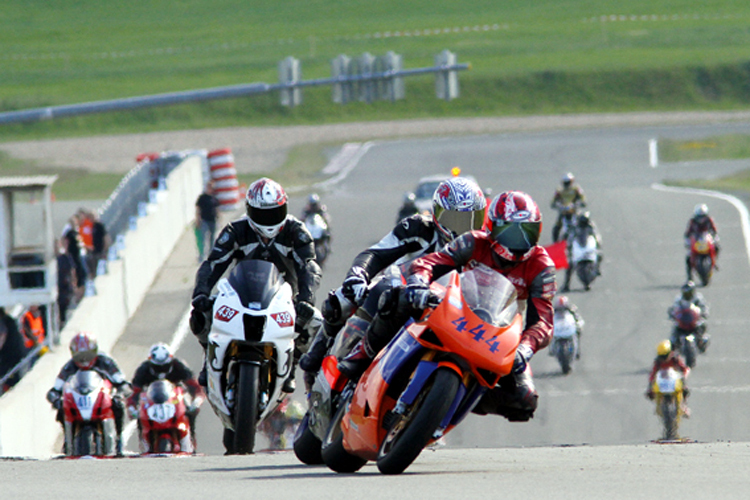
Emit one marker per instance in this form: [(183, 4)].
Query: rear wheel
[(246, 408), (410, 433), (332, 449), (306, 444)]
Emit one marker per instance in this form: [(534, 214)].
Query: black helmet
[(584, 219), (688, 290)]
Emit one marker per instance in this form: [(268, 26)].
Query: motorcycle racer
[(458, 206), (568, 194), (667, 358), (582, 228), (511, 249), (562, 305), (701, 222), (267, 233), (161, 364), (85, 355), (689, 295)]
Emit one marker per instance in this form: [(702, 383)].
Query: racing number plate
[(161, 413)]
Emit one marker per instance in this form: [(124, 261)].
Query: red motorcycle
[(703, 256), (164, 419), (688, 322), (89, 419)]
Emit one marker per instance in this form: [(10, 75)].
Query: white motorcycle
[(584, 258), (250, 349), (565, 339), (316, 224)]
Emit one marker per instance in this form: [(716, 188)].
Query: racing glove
[(354, 287), (523, 356), (418, 295), (202, 302)]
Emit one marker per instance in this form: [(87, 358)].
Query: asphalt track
[(593, 432)]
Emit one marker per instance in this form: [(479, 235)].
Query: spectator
[(65, 281), (12, 349), (74, 248), (100, 242), (206, 215), (32, 327)]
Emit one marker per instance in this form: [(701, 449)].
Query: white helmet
[(160, 358), (700, 210), (265, 203)]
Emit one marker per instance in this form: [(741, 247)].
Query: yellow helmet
[(663, 348)]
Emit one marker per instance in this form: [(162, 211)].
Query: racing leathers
[(534, 279), (107, 368), (293, 253), (566, 200), (671, 360), (412, 237)]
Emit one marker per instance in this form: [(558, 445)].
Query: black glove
[(523, 356), (305, 312), (202, 302), (57, 404), (418, 295), (354, 287)]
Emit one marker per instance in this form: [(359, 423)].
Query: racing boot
[(119, 447), (289, 384), (356, 362), (568, 275), (703, 341)]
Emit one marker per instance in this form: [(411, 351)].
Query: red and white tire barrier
[(224, 177)]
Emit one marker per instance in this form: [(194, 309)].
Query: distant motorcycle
[(565, 340), (318, 228), (703, 256), (584, 255), (163, 418), (250, 349), (687, 321), (667, 390), (89, 419)]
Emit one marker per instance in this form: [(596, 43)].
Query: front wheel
[(704, 268), (415, 428), (669, 416), (84, 441), (306, 444), (565, 356), (246, 408), (332, 449)]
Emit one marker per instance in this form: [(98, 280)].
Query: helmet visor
[(459, 222), (517, 236), (84, 358), (267, 216)]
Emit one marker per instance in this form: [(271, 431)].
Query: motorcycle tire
[(409, 434), (164, 445), (669, 417), (332, 448), (306, 444), (84, 442), (703, 267), (246, 408), (565, 358), (586, 273)]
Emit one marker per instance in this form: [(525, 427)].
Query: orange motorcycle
[(430, 376)]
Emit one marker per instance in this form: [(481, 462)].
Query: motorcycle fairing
[(162, 411)]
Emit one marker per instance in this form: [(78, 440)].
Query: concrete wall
[(27, 422)]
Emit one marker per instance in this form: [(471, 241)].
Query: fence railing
[(446, 84)]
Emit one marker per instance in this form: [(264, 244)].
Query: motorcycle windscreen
[(490, 295), (256, 282)]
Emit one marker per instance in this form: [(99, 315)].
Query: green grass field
[(546, 56)]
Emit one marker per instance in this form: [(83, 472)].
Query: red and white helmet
[(515, 224), (265, 203), (84, 350)]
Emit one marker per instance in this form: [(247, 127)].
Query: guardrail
[(446, 84)]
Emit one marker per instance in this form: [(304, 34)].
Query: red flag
[(558, 254)]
